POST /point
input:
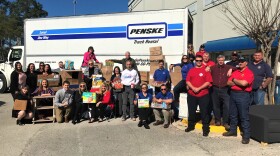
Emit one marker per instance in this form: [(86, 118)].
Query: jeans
[(220, 98), (257, 96), (128, 96), (277, 93), (118, 102), (203, 103), (239, 106)]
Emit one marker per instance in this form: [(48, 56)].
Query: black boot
[(145, 123), (140, 124), (19, 122)]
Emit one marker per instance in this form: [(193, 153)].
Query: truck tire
[(3, 83)]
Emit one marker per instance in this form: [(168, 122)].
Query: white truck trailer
[(55, 39)]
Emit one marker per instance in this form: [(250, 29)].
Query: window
[(15, 55), (192, 8)]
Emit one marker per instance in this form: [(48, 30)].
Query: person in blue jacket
[(144, 112), (181, 87), (161, 75)]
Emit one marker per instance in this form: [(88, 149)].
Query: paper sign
[(143, 103), (96, 81), (162, 105), (89, 97)]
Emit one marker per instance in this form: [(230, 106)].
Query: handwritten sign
[(143, 103), (89, 97)]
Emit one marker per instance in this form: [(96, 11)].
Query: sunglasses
[(198, 60), (90, 64), (163, 89), (82, 86), (144, 88)]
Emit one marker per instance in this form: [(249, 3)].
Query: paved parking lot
[(114, 138)]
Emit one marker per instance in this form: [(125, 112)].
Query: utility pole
[(74, 2)]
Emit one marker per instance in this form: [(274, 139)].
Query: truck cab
[(16, 54)]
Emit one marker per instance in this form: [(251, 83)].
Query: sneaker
[(166, 125), (100, 120), (227, 127), (245, 141), (123, 118), (189, 129), (66, 120), (218, 123), (140, 124), (158, 123), (227, 134), (19, 122)]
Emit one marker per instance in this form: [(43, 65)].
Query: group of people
[(226, 90)]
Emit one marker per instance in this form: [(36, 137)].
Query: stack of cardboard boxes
[(176, 76), (155, 56)]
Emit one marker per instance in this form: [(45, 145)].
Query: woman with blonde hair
[(78, 98), (104, 102)]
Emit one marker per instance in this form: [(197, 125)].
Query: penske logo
[(147, 31)]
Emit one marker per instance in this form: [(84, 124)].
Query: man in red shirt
[(207, 62), (198, 81), (201, 51), (240, 82)]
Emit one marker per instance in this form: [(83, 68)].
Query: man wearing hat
[(262, 77), (241, 82), (234, 59)]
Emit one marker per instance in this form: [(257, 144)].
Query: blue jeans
[(220, 98), (239, 106), (257, 97)]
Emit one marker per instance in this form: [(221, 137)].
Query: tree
[(260, 21), (13, 14)]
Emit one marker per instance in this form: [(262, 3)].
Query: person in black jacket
[(18, 79), (40, 70), (31, 79), (27, 114), (79, 102), (117, 92)]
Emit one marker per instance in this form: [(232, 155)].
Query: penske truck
[(55, 39)]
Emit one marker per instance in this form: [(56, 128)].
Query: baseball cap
[(242, 59), (234, 53)]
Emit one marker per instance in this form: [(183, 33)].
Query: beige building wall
[(209, 23)]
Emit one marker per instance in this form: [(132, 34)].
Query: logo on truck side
[(147, 30)]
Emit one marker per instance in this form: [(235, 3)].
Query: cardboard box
[(71, 74), (99, 65), (73, 81), (20, 104), (177, 69), (107, 72), (53, 80), (155, 53), (158, 48), (144, 76), (155, 64), (153, 69), (157, 58), (175, 78)]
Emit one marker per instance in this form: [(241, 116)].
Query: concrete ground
[(114, 138)]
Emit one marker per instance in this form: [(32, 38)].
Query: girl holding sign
[(144, 99)]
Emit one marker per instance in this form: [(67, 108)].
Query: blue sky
[(83, 7)]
